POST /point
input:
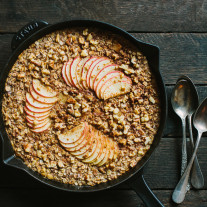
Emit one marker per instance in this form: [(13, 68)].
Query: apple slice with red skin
[(94, 156), (112, 151), (91, 150), (31, 119), (39, 125), (36, 110), (78, 142), (79, 149), (117, 89), (35, 103), (73, 69), (64, 74), (102, 73), (42, 99), (85, 69), (95, 70), (67, 72), (79, 72), (44, 91), (74, 134), (38, 115), (98, 59), (102, 152), (41, 129), (81, 153), (106, 157), (107, 79)]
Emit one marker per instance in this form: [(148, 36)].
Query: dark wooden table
[(179, 28)]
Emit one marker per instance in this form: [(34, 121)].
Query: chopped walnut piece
[(117, 47), (123, 141), (81, 40), (27, 147), (45, 72), (151, 99), (85, 32), (60, 164), (126, 68), (133, 60), (89, 37), (84, 53)]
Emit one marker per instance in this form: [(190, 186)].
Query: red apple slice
[(81, 147), (31, 119), (67, 71), (79, 72), (41, 129), (96, 69), (106, 157), (81, 153), (42, 90), (36, 115), (94, 156), (42, 99), (64, 74), (112, 149), (102, 73), (91, 150), (85, 69), (107, 79), (35, 103), (73, 69), (80, 141), (36, 110), (39, 125), (98, 59), (102, 151), (73, 135), (116, 89)]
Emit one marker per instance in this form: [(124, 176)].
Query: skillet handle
[(140, 186), (26, 31)]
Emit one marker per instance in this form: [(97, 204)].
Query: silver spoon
[(200, 123), (180, 104), (197, 179)]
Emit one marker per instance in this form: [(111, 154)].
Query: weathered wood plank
[(162, 171), (142, 16), (110, 198), (179, 54)]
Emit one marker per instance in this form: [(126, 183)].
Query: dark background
[(179, 28)]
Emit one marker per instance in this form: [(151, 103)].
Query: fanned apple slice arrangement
[(89, 145), (98, 74), (39, 102)]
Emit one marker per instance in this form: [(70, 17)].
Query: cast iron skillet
[(37, 29)]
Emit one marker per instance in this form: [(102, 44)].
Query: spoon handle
[(184, 148), (180, 190), (184, 152), (197, 179)]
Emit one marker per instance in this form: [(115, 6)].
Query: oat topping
[(130, 119)]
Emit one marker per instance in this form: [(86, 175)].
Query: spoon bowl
[(200, 118), (184, 98)]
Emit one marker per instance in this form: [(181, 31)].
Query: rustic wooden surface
[(179, 28)]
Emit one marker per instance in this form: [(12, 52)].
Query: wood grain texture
[(141, 16), (110, 198), (162, 171), (180, 54)]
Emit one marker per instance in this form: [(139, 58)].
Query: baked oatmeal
[(50, 110)]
